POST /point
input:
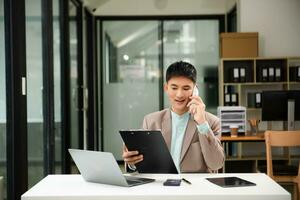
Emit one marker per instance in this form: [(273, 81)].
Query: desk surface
[(244, 138), (66, 187)]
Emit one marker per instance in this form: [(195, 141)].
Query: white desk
[(67, 187)]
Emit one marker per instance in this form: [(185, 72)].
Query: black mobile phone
[(172, 182)]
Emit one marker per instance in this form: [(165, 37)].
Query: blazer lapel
[(167, 128), (189, 133)]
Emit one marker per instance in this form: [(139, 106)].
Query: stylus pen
[(188, 182)]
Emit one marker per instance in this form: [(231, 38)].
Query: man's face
[(179, 89)]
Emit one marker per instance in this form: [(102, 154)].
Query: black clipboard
[(150, 143), (233, 181)]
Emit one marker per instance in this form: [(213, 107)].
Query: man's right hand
[(131, 157)]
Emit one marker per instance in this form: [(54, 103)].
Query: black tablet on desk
[(230, 182), (150, 143)]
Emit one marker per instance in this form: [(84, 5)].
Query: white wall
[(230, 4), (278, 24), (157, 7)]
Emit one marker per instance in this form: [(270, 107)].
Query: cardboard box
[(236, 45)]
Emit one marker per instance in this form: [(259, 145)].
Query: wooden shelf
[(260, 58), (260, 83), (236, 59), (294, 83), (253, 109), (257, 157), (253, 80), (254, 67), (245, 138), (270, 83)]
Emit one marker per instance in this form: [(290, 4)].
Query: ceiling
[(158, 7)]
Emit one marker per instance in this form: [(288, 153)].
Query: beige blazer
[(199, 153)]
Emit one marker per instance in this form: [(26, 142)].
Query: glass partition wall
[(2, 106), (57, 88), (34, 89), (74, 130), (134, 57), (34, 65), (130, 77), (197, 42), (76, 74)]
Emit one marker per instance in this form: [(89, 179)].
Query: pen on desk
[(188, 182)]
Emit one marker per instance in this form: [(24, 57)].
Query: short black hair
[(181, 68)]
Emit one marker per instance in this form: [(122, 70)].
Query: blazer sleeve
[(145, 125), (211, 146)]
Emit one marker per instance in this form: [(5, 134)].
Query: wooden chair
[(282, 139)]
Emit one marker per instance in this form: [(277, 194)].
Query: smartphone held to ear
[(195, 91)]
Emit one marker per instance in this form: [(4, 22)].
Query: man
[(191, 134)]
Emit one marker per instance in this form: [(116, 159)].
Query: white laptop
[(101, 167)]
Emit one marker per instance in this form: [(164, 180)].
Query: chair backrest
[(279, 139), (283, 138)]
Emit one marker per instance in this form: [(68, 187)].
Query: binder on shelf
[(264, 74), (258, 100), (251, 100), (278, 74), (271, 74), (234, 99), (227, 101), (236, 75), (242, 74), (293, 73), (226, 90), (234, 149), (298, 73)]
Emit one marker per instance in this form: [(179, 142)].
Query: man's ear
[(165, 87)]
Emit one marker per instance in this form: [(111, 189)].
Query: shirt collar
[(180, 117)]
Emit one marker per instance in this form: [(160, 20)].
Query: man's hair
[(182, 68)]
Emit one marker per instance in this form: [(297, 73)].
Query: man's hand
[(131, 157), (197, 109)]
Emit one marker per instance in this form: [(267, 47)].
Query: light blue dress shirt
[(179, 124)]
